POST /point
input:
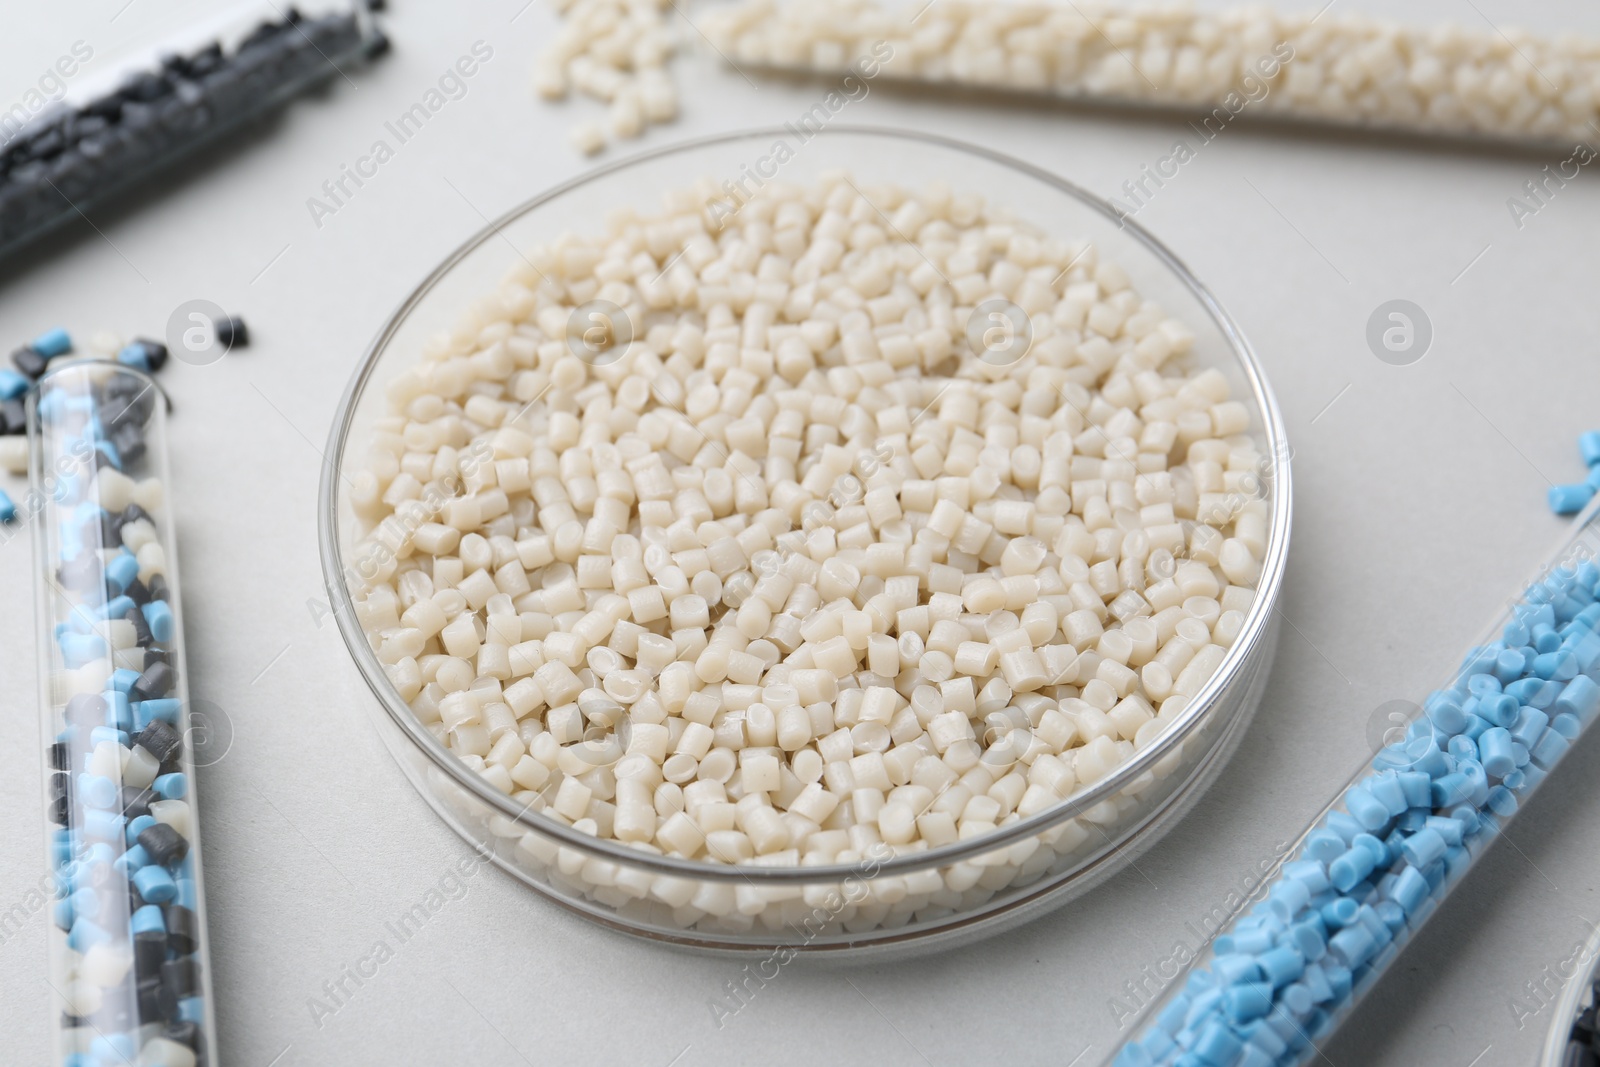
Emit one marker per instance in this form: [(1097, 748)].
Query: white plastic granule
[(615, 51), (761, 543), (1321, 65)]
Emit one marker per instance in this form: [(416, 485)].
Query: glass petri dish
[(908, 903)]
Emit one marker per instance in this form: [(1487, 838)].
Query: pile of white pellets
[(615, 51), (747, 544), (1324, 66)]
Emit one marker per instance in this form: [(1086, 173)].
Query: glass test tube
[(129, 967), (161, 105), (1328, 922)]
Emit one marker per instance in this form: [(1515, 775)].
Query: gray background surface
[(1420, 508)]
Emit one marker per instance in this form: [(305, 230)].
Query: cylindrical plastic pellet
[(128, 960)]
